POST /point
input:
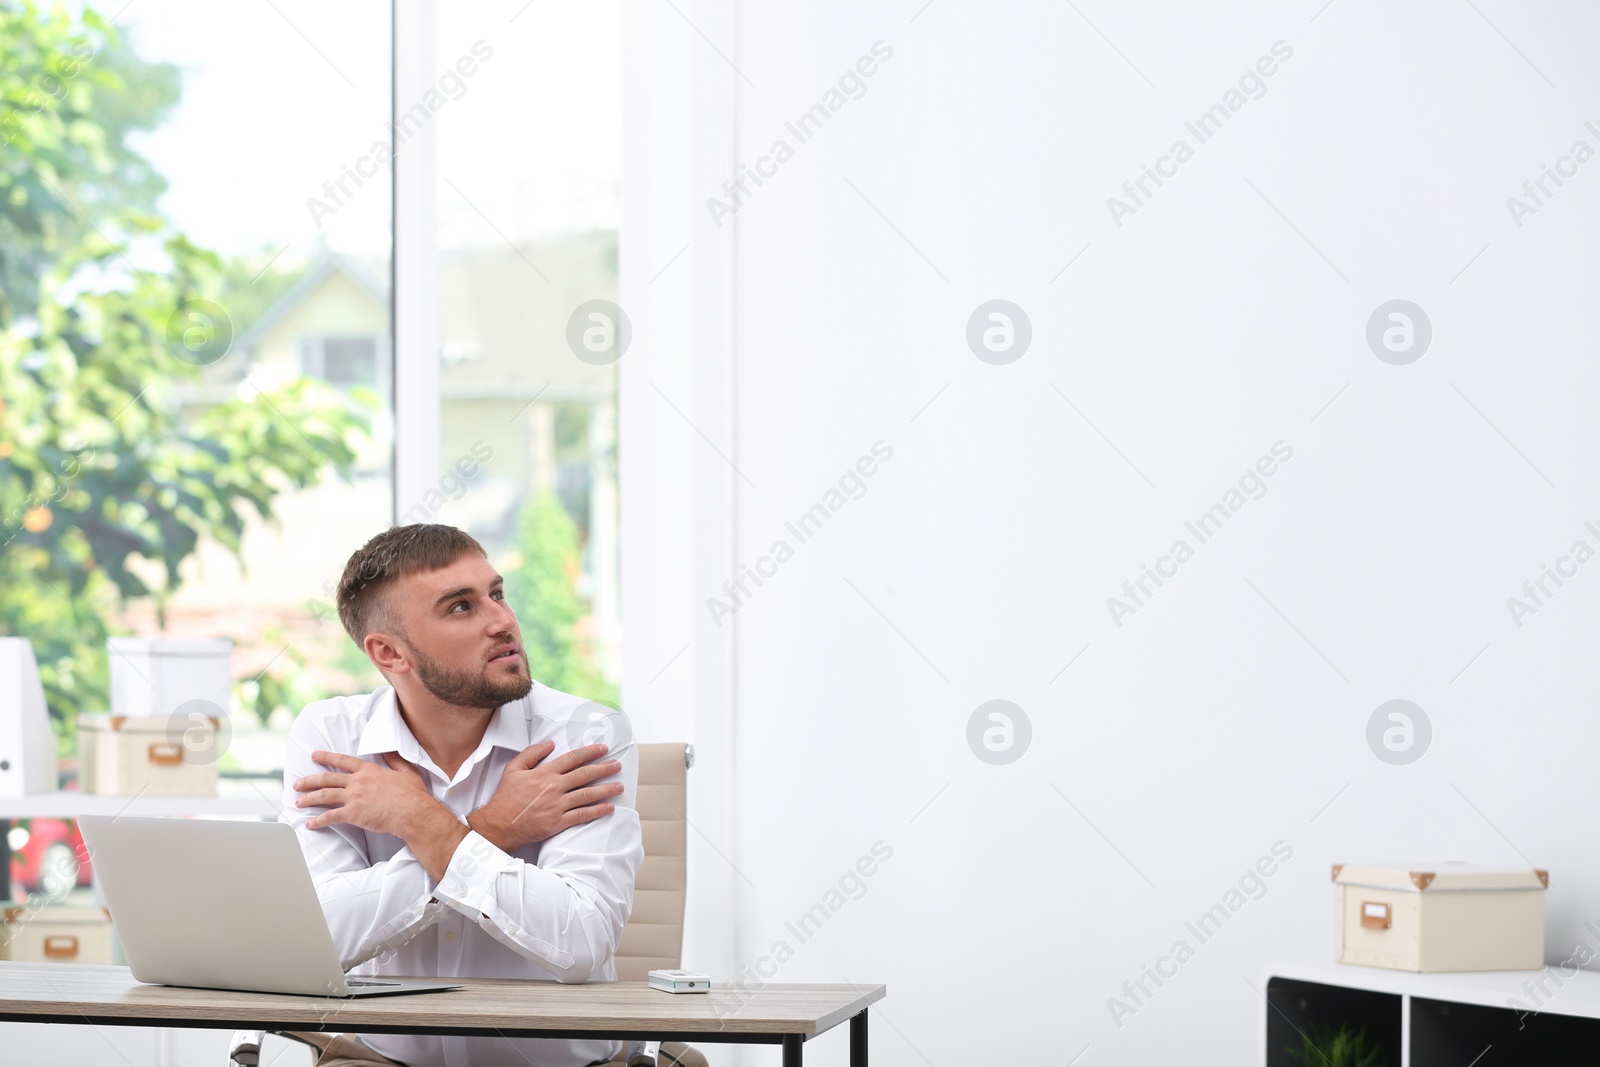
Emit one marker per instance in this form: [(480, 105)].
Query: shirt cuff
[(469, 881)]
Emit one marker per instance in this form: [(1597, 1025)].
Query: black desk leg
[(791, 1050), (858, 1039)]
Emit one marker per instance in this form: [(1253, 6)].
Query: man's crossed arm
[(533, 802)]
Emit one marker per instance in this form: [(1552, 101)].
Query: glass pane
[(181, 216), (530, 331)]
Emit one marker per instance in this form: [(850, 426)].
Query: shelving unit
[(262, 803), (1437, 1020), (247, 800), (243, 799)]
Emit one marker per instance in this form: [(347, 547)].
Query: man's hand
[(383, 799), (535, 800), (393, 799)]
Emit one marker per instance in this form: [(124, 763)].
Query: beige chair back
[(653, 937)]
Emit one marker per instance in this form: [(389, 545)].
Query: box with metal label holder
[(54, 934), (122, 755), (1429, 917)]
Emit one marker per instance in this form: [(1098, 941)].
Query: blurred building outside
[(511, 391)]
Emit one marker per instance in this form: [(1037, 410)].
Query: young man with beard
[(453, 823)]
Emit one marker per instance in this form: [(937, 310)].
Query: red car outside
[(53, 859)]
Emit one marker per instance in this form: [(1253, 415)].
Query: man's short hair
[(367, 585)]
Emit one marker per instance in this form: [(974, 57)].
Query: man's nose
[(506, 621)]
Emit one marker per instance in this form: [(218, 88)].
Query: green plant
[(106, 487), (541, 588), (1336, 1047)]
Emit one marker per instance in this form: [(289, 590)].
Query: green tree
[(106, 311), (541, 590)]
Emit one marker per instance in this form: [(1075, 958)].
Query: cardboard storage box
[(1440, 916), (157, 675), (123, 756), (55, 934)]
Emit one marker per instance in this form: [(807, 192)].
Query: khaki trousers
[(337, 1050)]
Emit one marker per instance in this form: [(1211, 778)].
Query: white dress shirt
[(548, 911)]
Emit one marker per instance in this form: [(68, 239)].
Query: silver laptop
[(221, 905)]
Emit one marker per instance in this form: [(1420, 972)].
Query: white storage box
[(122, 756), (1430, 917), (55, 934), (158, 675)]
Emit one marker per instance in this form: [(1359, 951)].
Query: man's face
[(461, 635)]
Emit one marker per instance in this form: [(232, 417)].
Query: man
[(453, 821)]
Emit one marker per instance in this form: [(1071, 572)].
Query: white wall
[(1225, 315)]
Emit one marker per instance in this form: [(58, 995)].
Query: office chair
[(653, 937)]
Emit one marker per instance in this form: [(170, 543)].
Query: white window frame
[(414, 265), (679, 81)]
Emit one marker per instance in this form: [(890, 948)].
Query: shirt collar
[(385, 727), (386, 730), (511, 727)]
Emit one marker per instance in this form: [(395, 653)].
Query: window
[(527, 240), (350, 360), (253, 438), (210, 478)]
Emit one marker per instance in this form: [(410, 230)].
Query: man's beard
[(468, 689)]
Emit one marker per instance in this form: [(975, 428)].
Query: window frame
[(414, 265)]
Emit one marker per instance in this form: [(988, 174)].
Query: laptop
[(221, 905)]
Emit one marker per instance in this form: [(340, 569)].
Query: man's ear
[(385, 654)]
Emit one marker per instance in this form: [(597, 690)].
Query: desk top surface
[(57, 992)]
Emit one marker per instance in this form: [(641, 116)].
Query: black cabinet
[(1444, 1032), (1411, 1030), (1295, 1008)]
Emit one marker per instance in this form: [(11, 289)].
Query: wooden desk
[(787, 1015)]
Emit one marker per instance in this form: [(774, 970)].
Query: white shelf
[(70, 805), (1577, 995)]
